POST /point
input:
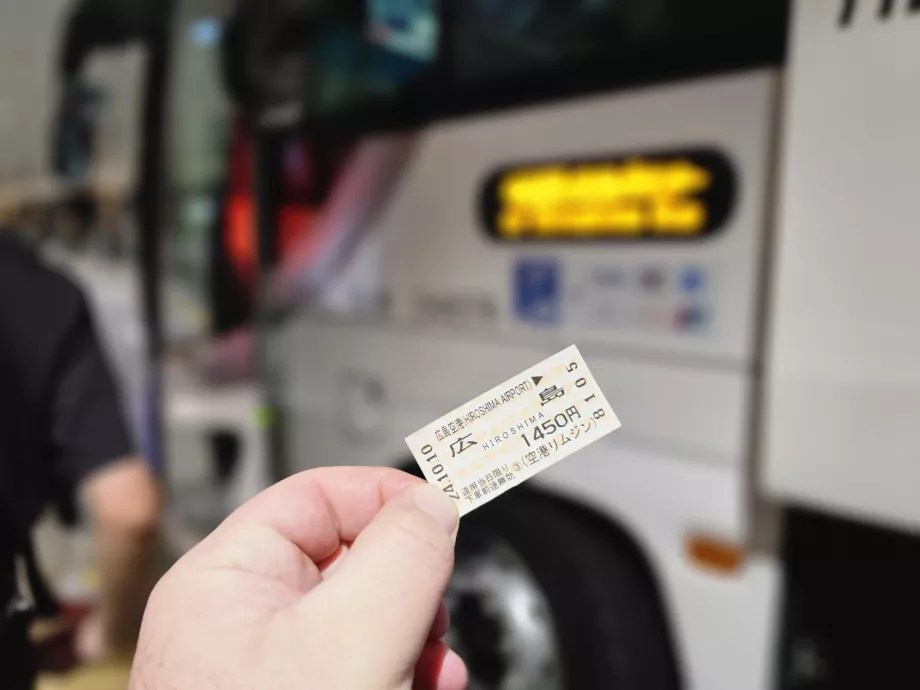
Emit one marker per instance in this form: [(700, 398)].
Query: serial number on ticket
[(514, 431)]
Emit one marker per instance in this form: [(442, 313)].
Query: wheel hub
[(501, 622)]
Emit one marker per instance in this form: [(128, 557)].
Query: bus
[(713, 200)]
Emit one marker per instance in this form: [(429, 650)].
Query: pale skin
[(123, 501), (332, 579)]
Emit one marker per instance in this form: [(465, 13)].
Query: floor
[(67, 563), (111, 676)]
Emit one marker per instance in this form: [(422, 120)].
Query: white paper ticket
[(514, 431)]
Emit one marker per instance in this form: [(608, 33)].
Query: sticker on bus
[(538, 290), (678, 195)]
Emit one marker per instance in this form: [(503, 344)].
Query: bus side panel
[(460, 311), (363, 388), (437, 255)]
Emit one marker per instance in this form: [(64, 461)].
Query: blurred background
[(308, 228)]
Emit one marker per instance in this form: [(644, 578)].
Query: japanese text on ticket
[(513, 431)]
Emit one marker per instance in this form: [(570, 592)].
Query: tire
[(604, 612)]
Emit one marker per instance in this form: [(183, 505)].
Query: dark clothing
[(60, 413)]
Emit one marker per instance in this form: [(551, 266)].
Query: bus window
[(370, 59), (538, 47), (368, 54)]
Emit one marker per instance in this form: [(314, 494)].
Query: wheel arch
[(623, 539)]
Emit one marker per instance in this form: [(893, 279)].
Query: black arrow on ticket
[(536, 380)]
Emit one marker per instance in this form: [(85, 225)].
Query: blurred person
[(334, 578), (62, 433)]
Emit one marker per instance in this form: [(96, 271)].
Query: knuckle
[(424, 538)]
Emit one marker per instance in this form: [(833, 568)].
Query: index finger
[(319, 510)]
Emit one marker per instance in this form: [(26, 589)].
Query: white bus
[(714, 201)]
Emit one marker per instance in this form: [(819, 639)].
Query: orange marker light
[(714, 554)]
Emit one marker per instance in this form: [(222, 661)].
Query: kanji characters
[(549, 394), (460, 445)]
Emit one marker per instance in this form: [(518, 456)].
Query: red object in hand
[(54, 639)]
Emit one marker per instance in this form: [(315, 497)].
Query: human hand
[(332, 579), (90, 640)]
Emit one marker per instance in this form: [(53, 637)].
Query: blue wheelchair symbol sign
[(537, 290)]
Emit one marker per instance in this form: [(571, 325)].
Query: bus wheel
[(543, 598)]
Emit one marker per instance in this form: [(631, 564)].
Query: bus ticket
[(514, 431)]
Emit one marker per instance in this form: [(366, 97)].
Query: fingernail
[(438, 505), (453, 672)]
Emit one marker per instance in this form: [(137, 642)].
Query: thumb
[(392, 581)]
